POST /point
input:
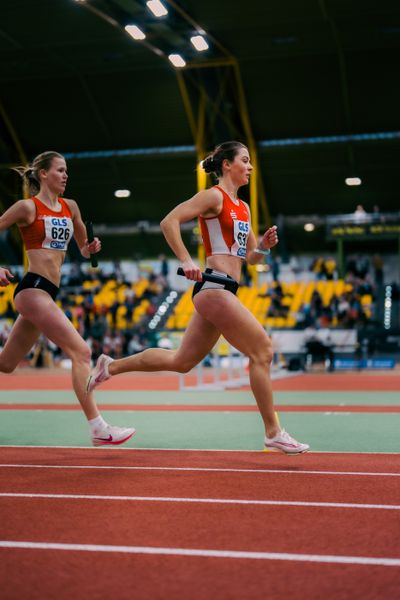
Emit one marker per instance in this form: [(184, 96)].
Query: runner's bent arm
[(269, 240), (207, 203), (80, 233), (21, 213)]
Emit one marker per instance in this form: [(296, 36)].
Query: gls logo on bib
[(59, 231), (240, 234)]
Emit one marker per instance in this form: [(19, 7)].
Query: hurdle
[(228, 371)]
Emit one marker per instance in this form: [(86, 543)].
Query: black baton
[(90, 237), (211, 277)]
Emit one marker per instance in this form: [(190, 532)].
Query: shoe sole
[(98, 443), (89, 381), (280, 451), (91, 384)]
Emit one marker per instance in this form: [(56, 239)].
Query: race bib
[(58, 232), (240, 234)]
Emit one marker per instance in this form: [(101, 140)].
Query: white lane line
[(199, 500), (199, 469), (237, 554), (242, 450)]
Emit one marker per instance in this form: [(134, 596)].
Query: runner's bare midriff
[(231, 265), (46, 263)]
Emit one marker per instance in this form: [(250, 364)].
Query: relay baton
[(210, 277), (90, 237)]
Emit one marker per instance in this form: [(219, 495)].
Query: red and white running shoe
[(111, 435), (285, 443), (99, 373)]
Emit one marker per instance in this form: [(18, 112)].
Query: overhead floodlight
[(177, 60), (199, 42), (122, 193), (157, 8), (309, 227), (352, 181), (135, 32)]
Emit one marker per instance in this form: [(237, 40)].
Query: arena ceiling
[(320, 83)]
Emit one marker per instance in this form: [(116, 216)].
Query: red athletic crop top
[(228, 232), (50, 229)]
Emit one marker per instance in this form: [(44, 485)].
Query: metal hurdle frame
[(236, 375)]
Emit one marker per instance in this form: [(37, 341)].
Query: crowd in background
[(364, 277), (100, 325), (96, 322)]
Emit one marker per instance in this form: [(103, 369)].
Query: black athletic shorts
[(33, 280), (231, 286)]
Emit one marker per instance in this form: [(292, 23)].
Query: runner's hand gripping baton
[(210, 277), (90, 237)]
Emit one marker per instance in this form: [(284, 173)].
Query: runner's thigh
[(199, 339), (235, 322), (49, 319)]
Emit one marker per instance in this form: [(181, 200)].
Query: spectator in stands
[(117, 272), (364, 286), (362, 266), (225, 224), (319, 348), (316, 304), (330, 268), (153, 288), (275, 262), (75, 277), (377, 264), (276, 308), (98, 326), (294, 266), (47, 223), (343, 308), (130, 303), (318, 267), (164, 271), (135, 345), (165, 342), (360, 214)]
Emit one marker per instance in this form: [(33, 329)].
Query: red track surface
[(308, 530), (42, 379)]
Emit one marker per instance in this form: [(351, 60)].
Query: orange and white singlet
[(228, 232), (51, 229)]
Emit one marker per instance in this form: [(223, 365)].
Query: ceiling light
[(177, 60), (352, 181), (199, 42), (157, 8), (135, 32), (122, 193), (309, 227)]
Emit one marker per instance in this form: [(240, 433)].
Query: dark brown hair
[(225, 151), (31, 172)]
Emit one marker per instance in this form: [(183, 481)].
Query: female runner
[(47, 223), (228, 239)]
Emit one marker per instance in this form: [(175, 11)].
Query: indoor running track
[(197, 524)]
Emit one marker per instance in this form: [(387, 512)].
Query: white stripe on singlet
[(217, 242)]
